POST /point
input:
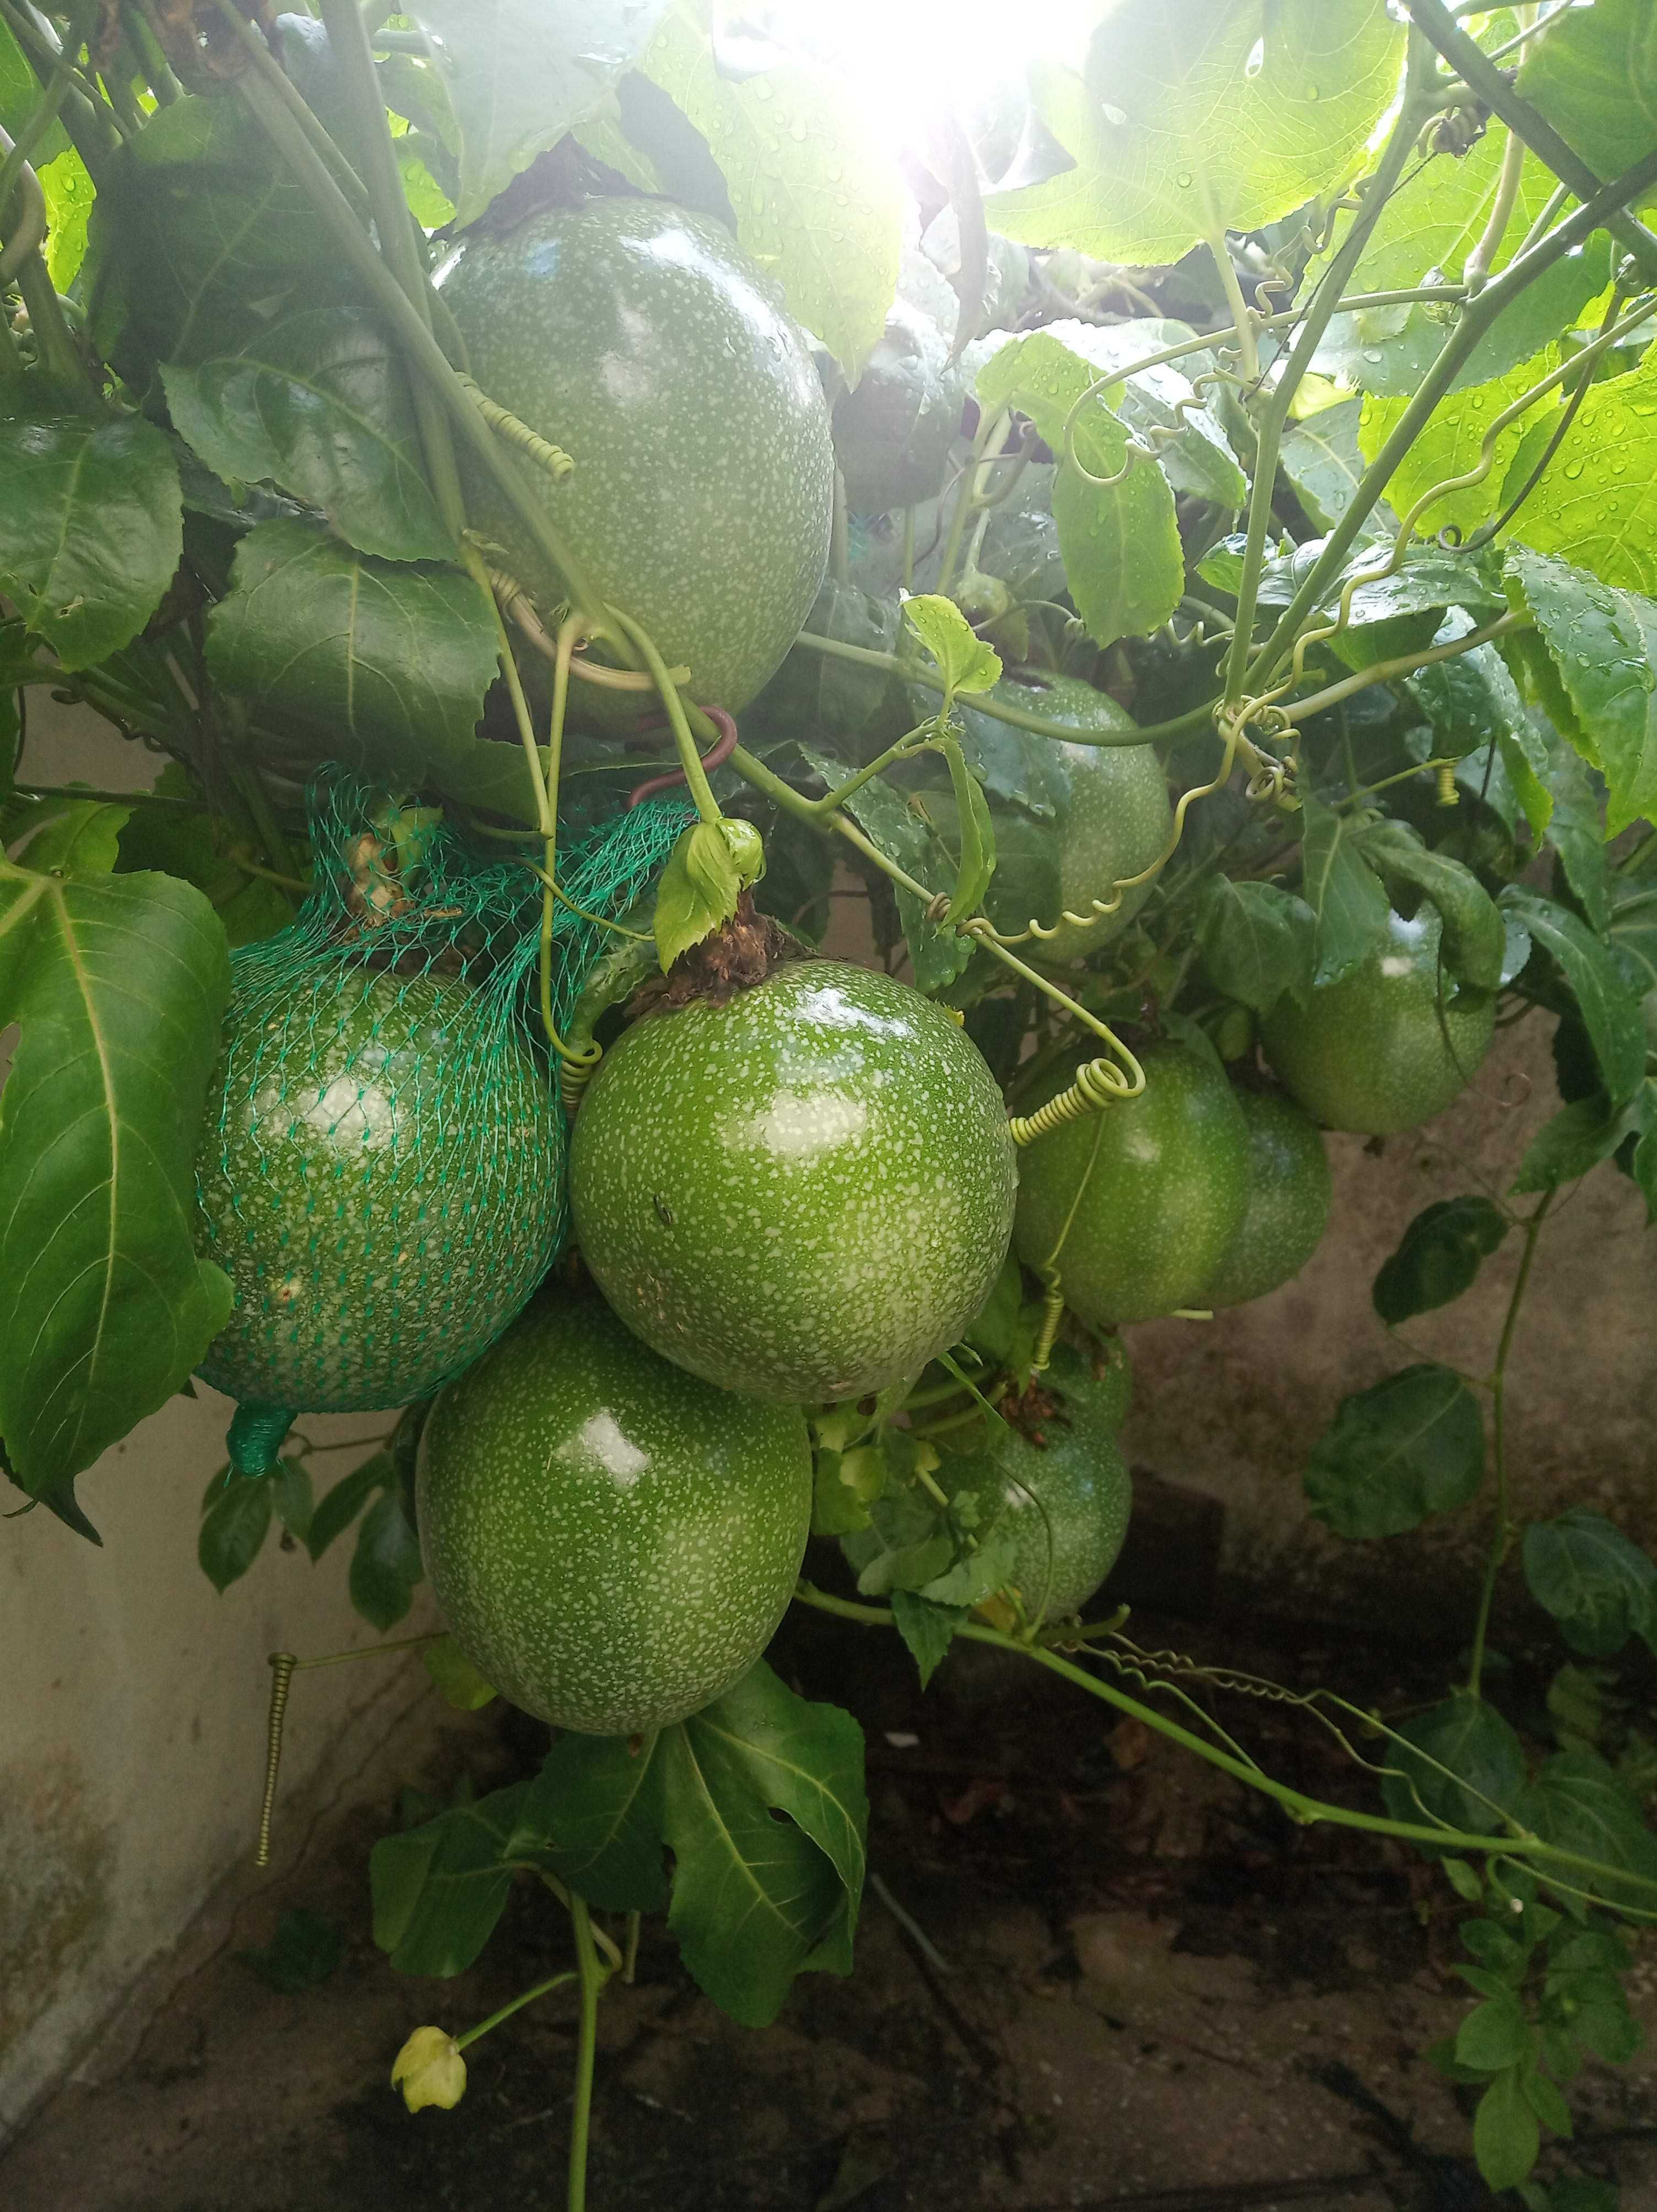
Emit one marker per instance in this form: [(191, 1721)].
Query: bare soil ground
[(1092, 1973)]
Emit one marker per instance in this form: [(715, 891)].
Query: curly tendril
[(505, 424), (1098, 1084)]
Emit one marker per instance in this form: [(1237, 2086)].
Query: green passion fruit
[(1288, 1193), (1390, 1045), (383, 1180), (612, 1541), (1115, 824), (803, 1193), (1146, 1196), (639, 338)]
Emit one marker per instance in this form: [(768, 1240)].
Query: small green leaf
[(1467, 1882), (1405, 1447), (963, 661), (1256, 940), (1506, 2135), (386, 1566), (1494, 2036), (91, 529), (235, 1529), (75, 838), (318, 405), (927, 1629), (439, 1889), (1461, 1764), (1571, 1143), (303, 1955), (978, 835), (1438, 1257), (1120, 540), (697, 892), (1610, 1009), (1344, 892), (339, 1507), (1544, 2100), (456, 1680), (1598, 1587), (1191, 118), (291, 1497), (1474, 937)]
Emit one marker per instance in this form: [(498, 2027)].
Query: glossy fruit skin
[(1371, 1054), (803, 1194), (1164, 1189), (639, 338), (362, 1182), (1116, 822), (1288, 1194), (612, 1541)]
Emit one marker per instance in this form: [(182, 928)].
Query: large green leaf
[(1485, 1762), (1593, 74), (1451, 445), (1320, 459), (118, 985), (1598, 1587), (1256, 941), (521, 73), (91, 528), (318, 405), (1344, 893), (1407, 1447), (1577, 1802), (1601, 645), (1120, 541), (383, 666), (1610, 1010), (439, 1889), (1597, 505), (1438, 1257), (1472, 700), (1193, 116), (816, 193)]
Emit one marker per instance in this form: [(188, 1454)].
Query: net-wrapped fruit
[(638, 339), (612, 1541), (804, 1193)]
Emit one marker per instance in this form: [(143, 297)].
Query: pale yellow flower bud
[(429, 2070)]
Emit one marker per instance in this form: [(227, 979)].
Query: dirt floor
[(1091, 1972)]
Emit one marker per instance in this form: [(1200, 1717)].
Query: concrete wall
[(133, 1717)]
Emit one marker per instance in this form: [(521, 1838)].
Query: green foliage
[(1593, 75), (1257, 941), (1405, 1447), (1600, 642), (1439, 1257), (1600, 1588)]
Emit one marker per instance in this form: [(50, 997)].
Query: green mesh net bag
[(382, 1175)]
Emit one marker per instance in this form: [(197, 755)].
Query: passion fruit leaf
[(817, 195), (1256, 940), (1438, 1257), (439, 1889), (74, 837), (836, 698), (1472, 700), (192, 845), (1405, 1447), (1597, 507), (1120, 541), (1191, 120), (1473, 935), (963, 661), (1320, 459), (386, 1565), (378, 665), (1485, 1759), (1577, 1802), (119, 984), (318, 405), (1346, 897), (1572, 1142), (521, 73), (1598, 1587), (977, 863), (1610, 1010), (91, 529), (1160, 405), (1451, 445), (697, 893), (1593, 75), (1599, 644), (233, 1529), (20, 91), (339, 1507), (938, 955), (754, 1899), (69, 196), (927, 1629)]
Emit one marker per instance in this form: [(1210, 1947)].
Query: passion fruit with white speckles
[(804, 1193), (364, 1191), (612, 1542), (638, 338), (1289, 1193)]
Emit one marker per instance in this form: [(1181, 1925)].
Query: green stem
[(38, 120), (1475, 320), (250, 787), (59, 355), (593, 1978), (1275, 416), (1242, 318), (85, 113), (689, 759), (1307, 1810), (992, 433), (1476, 268), (272, 74), (1404, 664), (422, 347), (111, 798), (1502, 1535), (516, 2004), (1200, 718), (156, 67), (1481, 75)]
